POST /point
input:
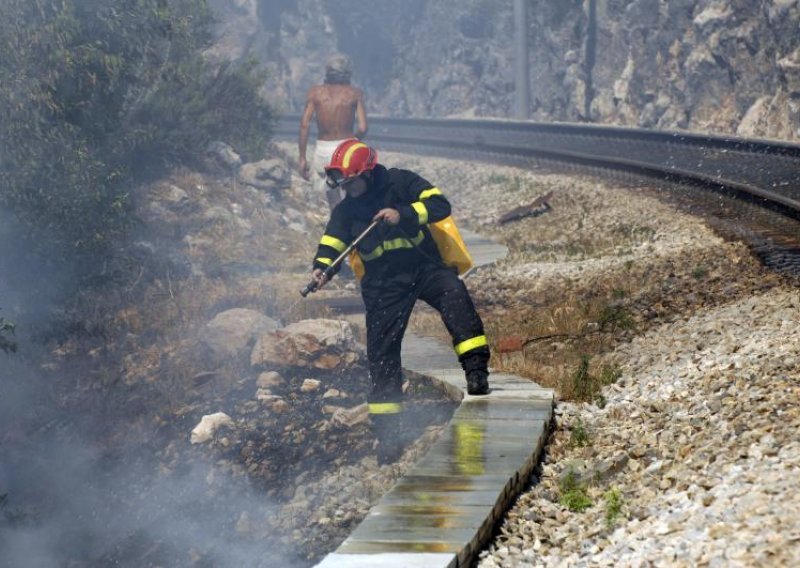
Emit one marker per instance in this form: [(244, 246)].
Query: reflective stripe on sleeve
[(325, 261), (333, 242), (470, 344), (422, 211), (429, 192), (385, 407)]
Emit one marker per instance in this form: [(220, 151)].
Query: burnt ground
[(97, 407), (109, 477)]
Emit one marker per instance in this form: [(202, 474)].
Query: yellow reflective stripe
[(349, 154), (403, 243), (470, 344), (394, 244), (428, 192), (385, 407), (333, 242), (376, 252), (422, 211), (325, 261)]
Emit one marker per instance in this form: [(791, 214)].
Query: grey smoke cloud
[(73, 495), (69, 504)]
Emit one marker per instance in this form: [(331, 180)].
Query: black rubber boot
[(388, 431), (389, 451), (478, 382)]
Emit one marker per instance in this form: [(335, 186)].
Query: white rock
[(269, 380), (310, 385), (209, 425), (350, 417)]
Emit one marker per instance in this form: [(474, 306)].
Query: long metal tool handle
[(328, 272)]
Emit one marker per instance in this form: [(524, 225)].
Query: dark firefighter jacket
[(388, 252)]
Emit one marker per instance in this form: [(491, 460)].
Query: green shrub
[(573, 493), (583, 384), (579, 436), (615, 316), (613, 501), (586, 386), (95, 95), (610, 375)]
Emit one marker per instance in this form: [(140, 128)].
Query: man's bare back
[(337, 107)]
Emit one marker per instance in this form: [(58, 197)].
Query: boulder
[(266, 396), (232, 331), (270, 380), (319, 343), (717, 14), (274, 403), (169, 196), (790, 68), (209, 425), (223, 155), (265, 174)]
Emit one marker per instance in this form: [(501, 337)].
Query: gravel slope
[(693, 459)]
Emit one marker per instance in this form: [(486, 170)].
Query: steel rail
[(778, 202), (514, 138), (757, 146), (381, 125)]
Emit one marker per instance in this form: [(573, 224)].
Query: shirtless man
[(337, 105)]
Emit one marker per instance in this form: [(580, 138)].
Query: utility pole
[(521, 73)]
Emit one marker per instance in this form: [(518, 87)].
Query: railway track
[(747, 189)]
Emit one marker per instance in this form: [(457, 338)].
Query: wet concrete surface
[(443, 511)]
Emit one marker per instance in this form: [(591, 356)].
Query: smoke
[(86, 482), (67, 506), (374, 47), (30, 284), (78, 491)]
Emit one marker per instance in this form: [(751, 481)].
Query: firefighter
[(401, 263)]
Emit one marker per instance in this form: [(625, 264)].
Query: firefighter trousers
[(389, 305)]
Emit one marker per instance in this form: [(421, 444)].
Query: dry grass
[(153, 327), (564, 336)]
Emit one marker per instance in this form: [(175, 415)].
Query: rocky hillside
[(197, 392), (731, 67)]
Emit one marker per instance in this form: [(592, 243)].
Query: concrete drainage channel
[(443, 511)]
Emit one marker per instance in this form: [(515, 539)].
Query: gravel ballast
[(693, 459)]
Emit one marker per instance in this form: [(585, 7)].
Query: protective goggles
[(335, 178)]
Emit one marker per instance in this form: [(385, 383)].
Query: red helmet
[(351, 158)]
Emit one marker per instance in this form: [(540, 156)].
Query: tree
[(97, 94)]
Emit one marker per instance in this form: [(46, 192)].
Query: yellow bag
[(356, 264), (450, 244), (448, 240)]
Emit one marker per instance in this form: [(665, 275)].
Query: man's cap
[(339, 63), (338, 68)]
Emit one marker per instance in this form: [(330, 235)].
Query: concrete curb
[(444, 510)]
